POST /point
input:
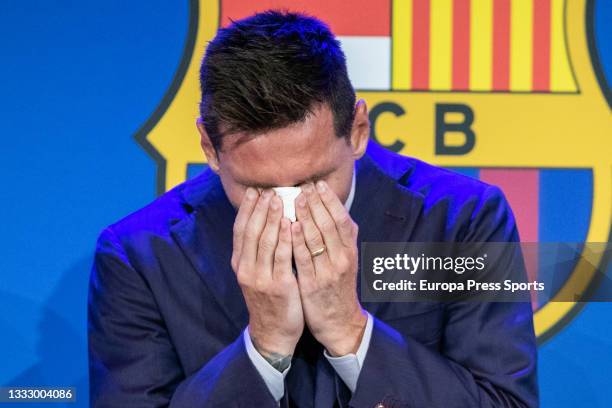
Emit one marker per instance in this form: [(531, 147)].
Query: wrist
[(347, 338), (272, 347)]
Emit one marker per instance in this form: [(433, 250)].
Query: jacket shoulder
[(426, 179), (463, 202), (156, 217), (434, 181)]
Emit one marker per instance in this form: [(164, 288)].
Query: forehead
[(284, 157)]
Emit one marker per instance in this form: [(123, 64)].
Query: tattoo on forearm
[(276, 360)]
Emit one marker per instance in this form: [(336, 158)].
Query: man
[(210, 297)]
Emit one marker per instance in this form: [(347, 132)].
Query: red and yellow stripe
[(480, 45)]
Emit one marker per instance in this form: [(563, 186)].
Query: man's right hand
[(261, 259)]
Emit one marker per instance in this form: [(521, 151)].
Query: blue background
[(78, 80)]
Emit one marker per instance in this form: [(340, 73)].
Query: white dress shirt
[(347, 367)]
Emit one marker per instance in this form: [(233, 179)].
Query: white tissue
[(288, 195)]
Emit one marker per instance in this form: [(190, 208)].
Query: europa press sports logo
[(510, 92)]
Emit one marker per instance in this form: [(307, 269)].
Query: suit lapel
[(205, 236), (384, 209)]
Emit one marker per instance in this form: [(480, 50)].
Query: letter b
[(443, 127)]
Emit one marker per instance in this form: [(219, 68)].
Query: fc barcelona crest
[(508, 91)]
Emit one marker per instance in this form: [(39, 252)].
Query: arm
[(132, 361), (488, 353)]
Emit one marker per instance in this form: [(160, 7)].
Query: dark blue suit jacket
[(166, 312)]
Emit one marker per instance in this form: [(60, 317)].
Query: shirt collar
[(349, 201)]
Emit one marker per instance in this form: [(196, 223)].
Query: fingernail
[(321, 186), (267, 193), (251, 193), (274, 203)]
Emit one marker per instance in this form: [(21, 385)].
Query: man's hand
[(327, 281), (261, 259)]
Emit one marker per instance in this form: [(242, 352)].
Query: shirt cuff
[(274, 379), (349, 366)]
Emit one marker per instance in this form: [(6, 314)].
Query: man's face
[(303, 152)]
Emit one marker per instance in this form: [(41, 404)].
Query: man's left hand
[(324, 243)]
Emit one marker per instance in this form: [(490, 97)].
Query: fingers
[(344, 224), (263, 237), (319, 220), (244, 213), (301, 253), (283, 253), (254, 228), (311, 235), (269, 236)]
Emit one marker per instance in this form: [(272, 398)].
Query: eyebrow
[(314, 177)]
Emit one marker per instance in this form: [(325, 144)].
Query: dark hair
[(269, 71)]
